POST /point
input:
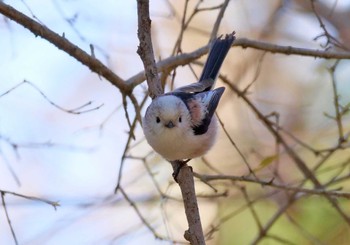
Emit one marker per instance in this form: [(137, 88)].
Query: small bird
[(181, 124)]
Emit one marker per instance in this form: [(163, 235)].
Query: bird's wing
[(196, 87), (209, 100)]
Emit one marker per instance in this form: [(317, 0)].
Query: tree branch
[(62, 43), (184, 178), (8, 218), (186, 58), (173, 61), (271, 183), (145, 50), (292, 154), (289, 50)]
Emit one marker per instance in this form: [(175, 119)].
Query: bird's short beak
[(170, 124)]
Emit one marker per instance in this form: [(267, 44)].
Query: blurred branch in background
[(278, 174)]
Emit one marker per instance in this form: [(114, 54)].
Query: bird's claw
[(179, 166)]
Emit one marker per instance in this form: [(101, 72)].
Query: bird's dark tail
[(217, 54)]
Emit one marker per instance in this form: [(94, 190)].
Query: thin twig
[(219, 18), (251, 208), (329, 37), (125, 106), (8, 217), (129, 140), (289, 50), (78, 110), (321, 192), (138, 212), (300, 163), (338, 115), (52, 203), (236, 147)]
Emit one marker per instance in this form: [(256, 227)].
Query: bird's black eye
[(180, 119), (157, 119)]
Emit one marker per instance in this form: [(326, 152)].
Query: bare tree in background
[(279, 173)]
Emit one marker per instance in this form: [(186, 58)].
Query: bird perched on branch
[(181, 124)]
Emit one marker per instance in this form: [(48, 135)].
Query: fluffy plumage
[(181, 124)]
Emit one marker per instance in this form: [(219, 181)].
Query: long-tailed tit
[(181, 124)]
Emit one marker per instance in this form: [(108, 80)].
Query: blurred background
[(50, 150)]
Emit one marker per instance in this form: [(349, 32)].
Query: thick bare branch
[(194, 234), (145, 49), (62, 43)]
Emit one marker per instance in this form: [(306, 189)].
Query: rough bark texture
[(184, 178), (145, 49)]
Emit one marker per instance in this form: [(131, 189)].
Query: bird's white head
[(166, 113)]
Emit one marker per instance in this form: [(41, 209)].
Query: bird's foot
[(179, 165)]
